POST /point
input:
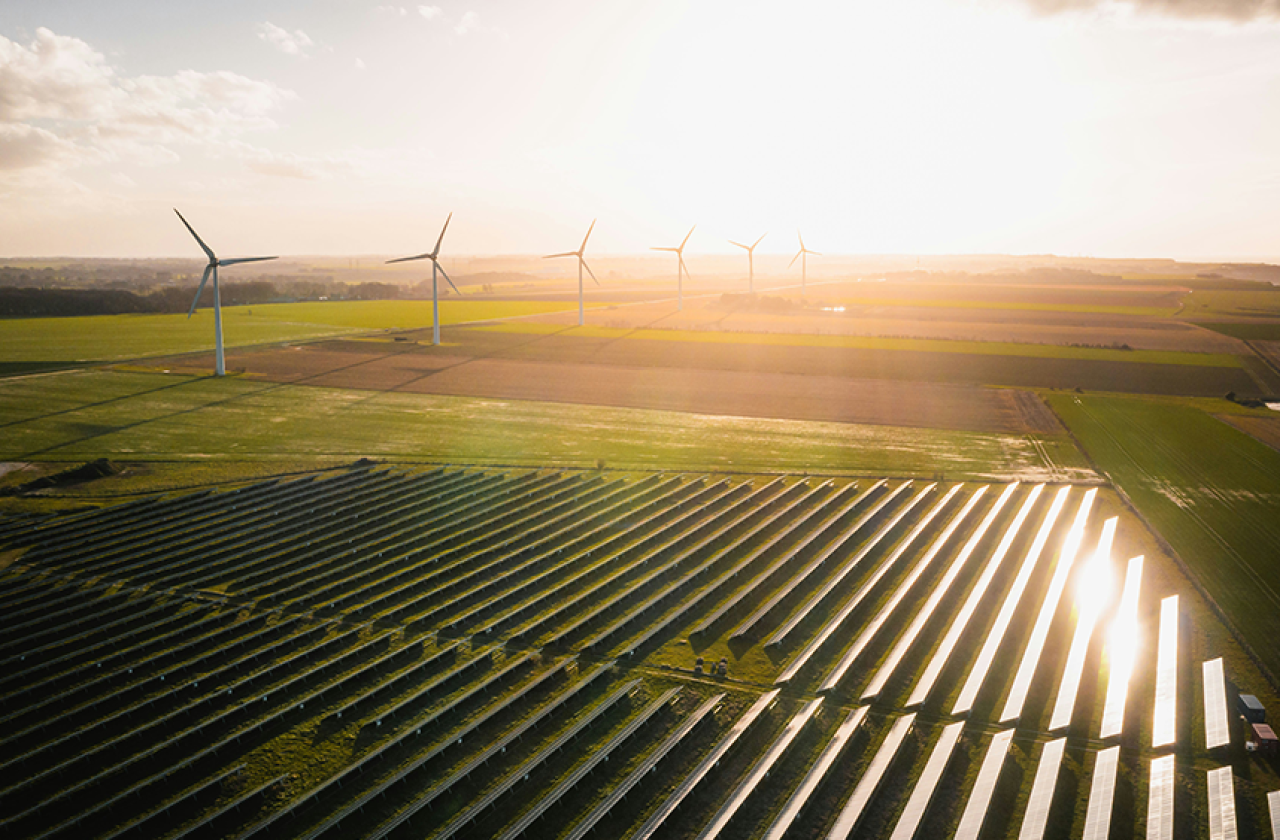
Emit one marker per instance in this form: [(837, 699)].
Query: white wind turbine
[(434, 256), (582, 263), (220, 368), (681, 270), (802, 255), (751, 260)]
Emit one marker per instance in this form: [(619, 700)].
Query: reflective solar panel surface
[(1222, 805), (922, 793), (1160, 799), (1217, 728), (1102, 791), (975, 810), (1163, 731), (1046, 782)]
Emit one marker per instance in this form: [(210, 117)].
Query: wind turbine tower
[(681, 270), (220, 366), (434, 256), (751, 260), (582, 263), (802, 255)]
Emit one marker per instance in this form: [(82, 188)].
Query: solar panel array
[(1217, 727), (473, 652)]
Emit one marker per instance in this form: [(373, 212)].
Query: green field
[(139, 416), (1012, 305), (1208, 489), (846, 342), (113, 337), (1205, 303)]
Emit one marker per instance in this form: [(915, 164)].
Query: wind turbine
[(751, 260), (435, 292), (802, 255), (219, 368), (582, 263), (681, 270)]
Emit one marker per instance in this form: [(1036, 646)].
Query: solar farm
[(456, 651)]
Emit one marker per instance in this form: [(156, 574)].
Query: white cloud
[(360, 64), (469, 23), (430, 12), (1238, 11), (290, 43), (395, 10), (62, 106)]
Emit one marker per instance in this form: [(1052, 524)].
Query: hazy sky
[(1147, 128)]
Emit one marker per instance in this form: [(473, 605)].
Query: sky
[(1148, 128)]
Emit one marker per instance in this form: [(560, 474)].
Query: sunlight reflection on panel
[(1273, 804), (973, 684), (923, 792), (1123, 649), (1163, 731), (975, 810), (1160, 799), (851, 814), (1102, 790), (1031, 655), (939, 661), (1222, 805), (1091, 598), (1037, 817), (1217, 731)]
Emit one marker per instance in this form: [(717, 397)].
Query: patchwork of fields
[(468, 652), (137, 416)]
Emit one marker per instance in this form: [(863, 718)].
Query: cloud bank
[(1237, 11)]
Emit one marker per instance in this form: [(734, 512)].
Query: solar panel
[(940, 589), (1163, 732), (1222, 805), (1160, 799), (870, 781), (1088, 605), (975, 810), (759, 770), (1122, 647), (922, 793), (1102, 790), (958, 625), (1273, 803), (1039, 633), (818, 771), (1037, 816), (978, 674), (1217, 729)]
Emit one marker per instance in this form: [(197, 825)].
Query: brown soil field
[(1265, 429), (774, 395), (1019, 326), (789, 396), (1010, 293), (1009, 371)]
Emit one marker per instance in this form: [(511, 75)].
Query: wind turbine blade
[(588, 236), (801, 238), (245, 260), (757, 242), (208, 268), (446, 276), (796, 257), (740, 245), (685, 267), (208, 251), (672, 250), (815, 253), (436, 252), (553, 256), (686, 237), (408, 259), (589, 271)]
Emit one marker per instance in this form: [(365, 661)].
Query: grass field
[(139, 416), (848, 342), (109, 337), (1013, 306), (1209, 489), (1208, 303)]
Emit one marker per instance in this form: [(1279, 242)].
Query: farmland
[(114, 337), (136, 416), (479, 652)]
